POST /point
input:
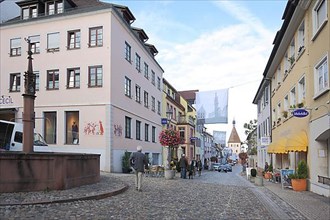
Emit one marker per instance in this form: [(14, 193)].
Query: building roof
[(234, 138), (189, 94)]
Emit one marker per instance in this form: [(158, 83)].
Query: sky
[(212, 45)]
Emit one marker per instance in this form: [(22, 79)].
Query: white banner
[(212, 106), (265, 140)]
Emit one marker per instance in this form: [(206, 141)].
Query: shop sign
[(265, 140), (6, 100), (164, 121), (300, 113)]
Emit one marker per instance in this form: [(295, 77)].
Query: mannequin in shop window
[(74, 133)]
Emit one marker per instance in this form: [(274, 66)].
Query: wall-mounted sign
[(300, 113), (6, 100), (164, 121), (265, 140)]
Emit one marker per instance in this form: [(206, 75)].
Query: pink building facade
[(99, 87)]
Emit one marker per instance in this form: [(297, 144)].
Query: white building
[(92, 69), (262, 99)]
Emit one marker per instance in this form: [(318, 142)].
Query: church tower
[(234, 141)]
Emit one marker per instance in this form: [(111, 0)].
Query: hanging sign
[(300, 113)]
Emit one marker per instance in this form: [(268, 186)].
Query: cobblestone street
[(214, 195)]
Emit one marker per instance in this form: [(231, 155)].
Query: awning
[(297, 142), (277, 147)]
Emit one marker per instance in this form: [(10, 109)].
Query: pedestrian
[(199, 167), (194, 165), (191, 170), (183, 166), (139, 162), (266, 167)]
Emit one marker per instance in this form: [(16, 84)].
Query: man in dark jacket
[(138, 161), (183, 165)]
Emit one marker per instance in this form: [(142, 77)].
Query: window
[(15, 47), (73, 78), (29, 12), (319, 16), (292, 53), (35, 44), (53, 42), (127, 52), (137, 93), (73, 39), (128, 87), (293, 98), (301, 90), (72, 127), (301, 37), (53, 79), (128, 127), (15, 82), (95, 75), (278, 110), (37, 80), (146, 70), (138, 62), (158, 83), (95, 37), (146, 132), (153, 134), (50, 127), (286, 103), (25, 13), (51, 8), (158, 107), (55, 7), (153, 77), (146, 99), (155, 158), (279, 77), (153, 103), (182, 134), (321, 76), (286, 63), (138, 130)]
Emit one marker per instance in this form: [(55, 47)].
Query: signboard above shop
[(300, 113)]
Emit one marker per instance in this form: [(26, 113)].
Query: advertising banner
[(212, 106)]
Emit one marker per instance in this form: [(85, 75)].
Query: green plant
[(302, 171), (270, 168), (285, 114), (253, 172), (125, 163), (300, 105)]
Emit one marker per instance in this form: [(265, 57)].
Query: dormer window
[(29, 12), (55, 7)]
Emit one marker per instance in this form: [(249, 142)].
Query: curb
[(92, 197)]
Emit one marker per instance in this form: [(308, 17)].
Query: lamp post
[(169, 114)]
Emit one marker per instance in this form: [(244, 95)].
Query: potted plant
[(299, 178), (285, 114), (169, 138), (125, 163), (300, 105), (269, 173)]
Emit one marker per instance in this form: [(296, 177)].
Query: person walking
[(183, 166), (139, 162), (199, 166)]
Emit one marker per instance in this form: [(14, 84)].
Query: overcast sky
[(211, 45)]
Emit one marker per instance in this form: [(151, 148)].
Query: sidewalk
[(311, 205)]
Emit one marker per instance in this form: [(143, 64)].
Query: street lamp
[(169, 114)]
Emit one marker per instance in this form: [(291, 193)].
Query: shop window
[(50, 127), (72, 127)]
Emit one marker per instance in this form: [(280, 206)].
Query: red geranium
[(169, 137)]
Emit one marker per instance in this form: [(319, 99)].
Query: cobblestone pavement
[(212, 196)]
